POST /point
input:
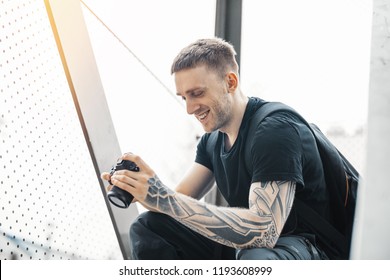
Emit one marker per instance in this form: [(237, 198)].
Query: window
[(314, 56)]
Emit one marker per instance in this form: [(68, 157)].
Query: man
[(258, 177)]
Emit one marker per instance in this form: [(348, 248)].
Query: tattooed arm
[(258, 226)]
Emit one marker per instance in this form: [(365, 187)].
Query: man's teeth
[(202, 116)]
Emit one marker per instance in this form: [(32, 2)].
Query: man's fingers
[(105, 176), (136, 159)]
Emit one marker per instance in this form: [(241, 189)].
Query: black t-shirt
[(282, 149)]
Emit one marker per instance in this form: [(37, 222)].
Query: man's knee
[(145, 240), (144, 222), (148, 225)]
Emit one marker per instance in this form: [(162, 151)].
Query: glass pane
[(314, 56), (134, 58)]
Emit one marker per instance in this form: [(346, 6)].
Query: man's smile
[(201, 117)]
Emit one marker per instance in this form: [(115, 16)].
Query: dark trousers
[(157, 236)]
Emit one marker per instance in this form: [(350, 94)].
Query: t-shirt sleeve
[(276, 152), (202, 157)]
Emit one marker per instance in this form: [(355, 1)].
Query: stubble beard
[(222, 114)]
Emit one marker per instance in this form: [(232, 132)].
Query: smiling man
[(259, 176)]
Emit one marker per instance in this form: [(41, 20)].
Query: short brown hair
[(215, 53)]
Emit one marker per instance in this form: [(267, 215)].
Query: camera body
[(117, 196)]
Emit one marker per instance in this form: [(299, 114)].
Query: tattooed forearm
[(258, 226)]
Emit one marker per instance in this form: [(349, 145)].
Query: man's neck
[(238, 114)]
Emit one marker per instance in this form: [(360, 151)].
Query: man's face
[(206, 96)]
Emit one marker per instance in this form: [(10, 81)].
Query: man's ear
[(232, 81)]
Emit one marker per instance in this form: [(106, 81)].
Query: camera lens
[(119, 197)]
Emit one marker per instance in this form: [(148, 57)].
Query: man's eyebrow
[(191, 90), (195, 89)]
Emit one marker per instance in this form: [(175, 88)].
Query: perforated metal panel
[(51, 203)]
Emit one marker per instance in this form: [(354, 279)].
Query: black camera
[(117, 196)]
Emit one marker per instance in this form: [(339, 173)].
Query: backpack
[(341, 180)]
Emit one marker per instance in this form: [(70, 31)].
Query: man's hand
[(107, 177), (133, 182)]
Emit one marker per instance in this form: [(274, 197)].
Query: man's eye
[(183, 98), (198, 93)]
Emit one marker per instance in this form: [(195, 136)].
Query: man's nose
[(191, 106)]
